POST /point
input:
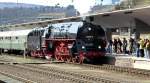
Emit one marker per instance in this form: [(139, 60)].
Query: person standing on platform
[(147, 49), (119, 46), (125, 45), (138, 48), (115, 45), (131, 41), (141, 48), (110, 46)]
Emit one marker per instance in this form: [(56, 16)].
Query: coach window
[(6, 38), (1, 38), (9, 38), (16, 37)]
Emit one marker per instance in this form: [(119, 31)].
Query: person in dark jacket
[(119, 46), (110, 45), (138, 48), (115, 45), (125, 44), (131, 42)]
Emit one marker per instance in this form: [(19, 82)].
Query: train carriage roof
[(15, 33)]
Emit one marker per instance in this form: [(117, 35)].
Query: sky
[(81, 5)]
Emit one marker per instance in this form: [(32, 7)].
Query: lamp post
[(24, 53)]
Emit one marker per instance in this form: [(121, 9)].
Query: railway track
[(130, 71), (88, 77), (140, 72), (83, 77), (72, 76), (30, 75), (49, 74)]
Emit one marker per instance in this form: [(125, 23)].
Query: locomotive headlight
[(69, 46), (83, 47), (89, 29), (99, 47)]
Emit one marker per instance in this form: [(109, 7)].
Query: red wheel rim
[(57, 57), (81, 58), (62, 58), (69, 59), (32, 53)]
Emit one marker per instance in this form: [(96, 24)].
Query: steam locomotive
[(70, 41)]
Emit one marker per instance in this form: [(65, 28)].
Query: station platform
[(124, 60)]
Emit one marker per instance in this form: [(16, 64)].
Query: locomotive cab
[(60, 41)]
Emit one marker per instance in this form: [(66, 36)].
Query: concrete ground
[(5, 79), (126, 60)]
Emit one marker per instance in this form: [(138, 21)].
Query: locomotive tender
[(70, 41)]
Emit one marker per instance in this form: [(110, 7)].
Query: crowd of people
[(140, 47)]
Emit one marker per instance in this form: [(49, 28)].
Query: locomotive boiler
[(90, 43)]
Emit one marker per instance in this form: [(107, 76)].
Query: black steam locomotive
[(70, 41)]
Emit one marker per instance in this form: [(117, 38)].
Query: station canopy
[(113, 19), (122, 18)]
